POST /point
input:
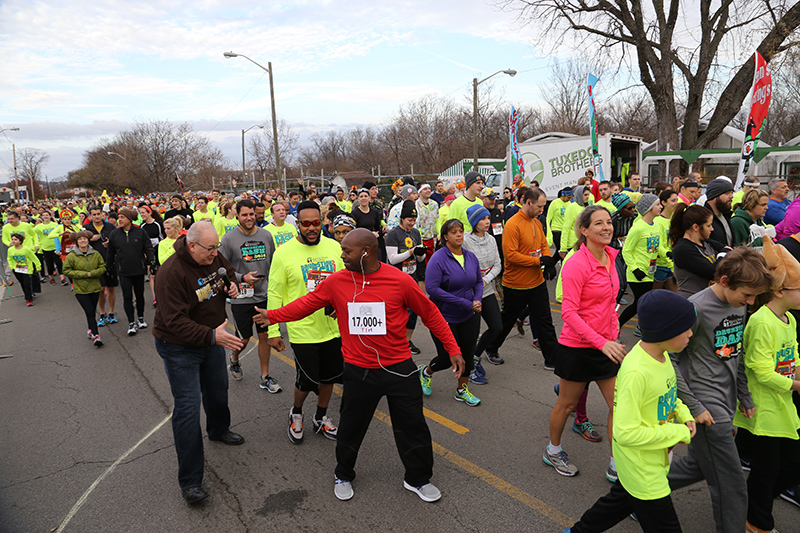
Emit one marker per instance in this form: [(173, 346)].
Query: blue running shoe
[(102, 321)]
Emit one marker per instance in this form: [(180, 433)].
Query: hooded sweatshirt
[(568, 237), (485, 249), (191, 298), (740, 224), (84, 269)]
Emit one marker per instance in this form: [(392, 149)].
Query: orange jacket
[(524, 242)]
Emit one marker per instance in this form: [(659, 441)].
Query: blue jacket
[(452, 288)]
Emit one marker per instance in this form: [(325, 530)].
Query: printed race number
[(366, 318)]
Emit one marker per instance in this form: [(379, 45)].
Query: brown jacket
[(191, 298)]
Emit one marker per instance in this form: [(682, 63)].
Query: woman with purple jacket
[(791, 221), (454, 283)]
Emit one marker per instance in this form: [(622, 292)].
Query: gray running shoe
[(269, 384), (560, 462), (342, 489), (236, 369), (427, 492)]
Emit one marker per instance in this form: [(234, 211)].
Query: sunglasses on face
[(308, 223)]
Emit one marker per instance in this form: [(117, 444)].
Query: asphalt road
[(87, 445)]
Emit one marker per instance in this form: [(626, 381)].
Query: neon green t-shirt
[(165, 249), (224, 225), (26, 229), (607, 205), (198, 216), (281, 234), (663, 223), (646, 409), (345, 205), (555, 217), (568, 237), (770, 356), (23, 260), (458, 209), (46, 235), (295, 271), (642, 250)]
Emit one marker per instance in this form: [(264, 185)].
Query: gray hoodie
[(578, 195), (485, 249)]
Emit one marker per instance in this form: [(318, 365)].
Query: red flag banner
[(759, 106)]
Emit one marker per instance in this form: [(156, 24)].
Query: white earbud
[(364, 254)]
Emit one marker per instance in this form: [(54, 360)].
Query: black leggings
[(466, 333), (53, 262), (639, 289), (490, 312), (89, 304), (27, 285), (132, 285)]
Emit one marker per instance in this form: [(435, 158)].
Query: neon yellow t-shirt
[(642, 249), (555, 217), (46, 235), (26, 229), (295, 271), (23, 259), (458, 209), (663, 223), (165, 249), (281, 234), (568, 237), (770, 357), (607, 205), (198, 216), (646, 409), (224, 225)]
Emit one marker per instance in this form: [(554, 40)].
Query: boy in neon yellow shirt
[(770, 359), (649, 419)]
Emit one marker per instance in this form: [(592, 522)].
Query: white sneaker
[(295, 427), (342, 489), (142, 324), (427, 492), (132, 329)]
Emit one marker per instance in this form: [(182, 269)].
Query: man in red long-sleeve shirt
[(371, 300)]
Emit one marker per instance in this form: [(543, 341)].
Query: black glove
[(550, 273), (669, 255), (420, 250), (639, 274), (547, 261), (153, 270)]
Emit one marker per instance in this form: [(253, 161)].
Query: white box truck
[(558, 160)]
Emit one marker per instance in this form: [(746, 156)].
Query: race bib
[(154, 242), (621, 240), (786, 368), (497, 228), (315, 277), (485, 271), (409, 266), (535, 253), (21, 269), (366, 318), (245, 291), (652, 268)]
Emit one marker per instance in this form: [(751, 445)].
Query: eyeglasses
[(307, 223), (208, 248)]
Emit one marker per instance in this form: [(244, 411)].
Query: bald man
[(371, 300)]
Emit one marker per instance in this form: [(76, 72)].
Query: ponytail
[(684, 217)]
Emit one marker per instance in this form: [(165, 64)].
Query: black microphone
[(224, 275)]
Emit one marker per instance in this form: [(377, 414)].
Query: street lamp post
[(475, 84), (14, 150), (268, 68), (244, 178)]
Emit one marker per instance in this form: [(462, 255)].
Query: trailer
[(557, 160)]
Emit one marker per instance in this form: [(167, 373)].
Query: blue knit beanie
[(664, 315), (475, 214)]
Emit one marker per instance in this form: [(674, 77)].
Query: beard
[(724, 208)]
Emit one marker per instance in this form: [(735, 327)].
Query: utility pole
[(274, 124), (16, 183)]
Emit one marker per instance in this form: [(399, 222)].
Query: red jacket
[(588, 301), (397, 290)]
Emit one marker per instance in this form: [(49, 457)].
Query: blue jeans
[(195, 375)]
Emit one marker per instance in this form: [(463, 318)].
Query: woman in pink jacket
[(791, 221), (588, 349)]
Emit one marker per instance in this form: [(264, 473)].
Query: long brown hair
[(684, 217)]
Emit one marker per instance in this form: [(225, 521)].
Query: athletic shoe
[(427, 492), (477, 379), (325, 426), (560, 462), (29, 303), (479, 367), (269, 384), (464, 395), (102, 322), (295, 427), (520, 330), (64, 282), (637, 332), (745, 464), (536, 345), (235, 369), (623, 301), (792, 495), (89, 334), (556, 388), (142, 324), (132, 329), (586, 430), (154, 302), (750, 528), (97, 341), (414, 349), (111, 318), (342, 489), (425, 381), (52, 282), (527, 321), (611, 473), (494, 358), (550, 367)]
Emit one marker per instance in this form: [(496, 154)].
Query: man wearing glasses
[(249, 248), (298, 267), (190, 334)]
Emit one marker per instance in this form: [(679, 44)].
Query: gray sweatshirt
[(485, 248), (248, 253), (710, 370)]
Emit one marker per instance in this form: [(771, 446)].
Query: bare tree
[(648, 34), (30, 168), (262, 148)]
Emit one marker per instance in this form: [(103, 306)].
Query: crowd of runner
[(712, 274)]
